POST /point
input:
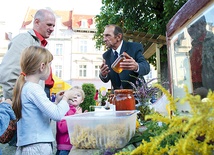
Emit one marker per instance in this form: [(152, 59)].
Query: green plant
[(90, 91), (179, 134), (143, 90), (103, 95)]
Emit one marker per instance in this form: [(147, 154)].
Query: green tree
[(150, 16), (89, 90)]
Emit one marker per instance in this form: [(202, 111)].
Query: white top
[(37, 112)]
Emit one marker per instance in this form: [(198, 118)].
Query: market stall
[(59, 85), (188, 130)]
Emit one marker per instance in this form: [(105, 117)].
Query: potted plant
[(103, 96), (144, 91)]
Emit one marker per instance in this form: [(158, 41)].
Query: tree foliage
[(150, 16), (89, 90)]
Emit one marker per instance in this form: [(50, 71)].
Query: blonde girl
[(32, 108), (62, 136)]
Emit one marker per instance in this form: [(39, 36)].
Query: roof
[(187, 11), (148, 40), (68, 18)]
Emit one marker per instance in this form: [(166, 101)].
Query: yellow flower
[(103, 94), (102, 89), (187, 129), (137, 124), (168, 109)]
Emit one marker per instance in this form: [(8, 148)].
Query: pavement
[(11, 150)]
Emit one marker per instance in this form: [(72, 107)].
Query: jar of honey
[(124, 99), (116, 64), (110, 98)]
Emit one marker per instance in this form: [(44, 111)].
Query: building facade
[(76, 59)]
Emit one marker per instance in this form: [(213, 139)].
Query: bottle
[(124, 99)]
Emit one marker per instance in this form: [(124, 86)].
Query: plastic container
[(98, 130)]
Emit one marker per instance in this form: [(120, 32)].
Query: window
[(84, 23), (83, 46), (97, 70), (58, 49), (82, 70), (58, 71)]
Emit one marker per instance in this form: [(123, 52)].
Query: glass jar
[(110, 98), (116, 64), (124, 99)]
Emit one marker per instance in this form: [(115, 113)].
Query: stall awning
[(150, 41), (152, 44), (59, 85)]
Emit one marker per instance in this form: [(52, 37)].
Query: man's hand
[(104, 70), (129, 63)]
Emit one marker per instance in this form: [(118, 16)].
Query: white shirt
[(119, 48)]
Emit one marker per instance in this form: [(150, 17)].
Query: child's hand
[(59, 96), (8, 101), (70, 94), (78, 110)]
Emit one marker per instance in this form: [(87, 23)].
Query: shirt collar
[(41, 38), (119, 48)]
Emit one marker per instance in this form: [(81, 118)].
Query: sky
[(13, 11)]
